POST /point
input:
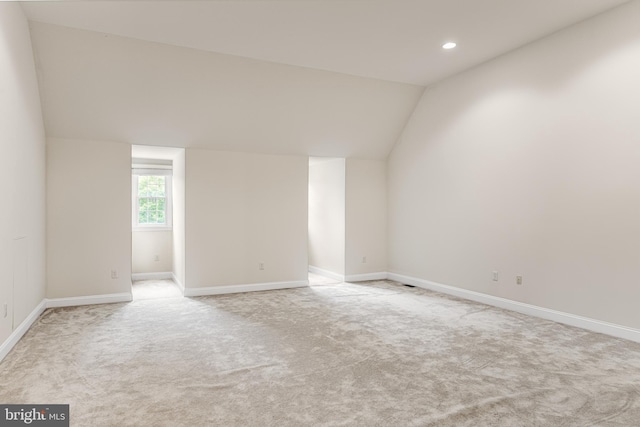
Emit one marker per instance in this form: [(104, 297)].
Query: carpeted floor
[(151, 289), (316, 280), (369, 354)]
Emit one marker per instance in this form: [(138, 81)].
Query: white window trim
[(168, 203)]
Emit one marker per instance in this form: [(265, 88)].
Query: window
[(152, 202)]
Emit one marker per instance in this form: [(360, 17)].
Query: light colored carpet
[(151, 289), (316, 279), (372, 354)]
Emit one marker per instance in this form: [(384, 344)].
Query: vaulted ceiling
[(313, 77), (396, 40)]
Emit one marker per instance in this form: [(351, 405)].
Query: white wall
[(106, 87), (366, 216), (88, 217), (529, 165), (146, 246), (327, 214), (179, 205), (242, 210), (22, 174)]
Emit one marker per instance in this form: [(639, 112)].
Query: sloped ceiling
[(322, 78), (395, 40), (104, 87)]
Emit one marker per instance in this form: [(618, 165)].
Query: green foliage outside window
[(151, 200)]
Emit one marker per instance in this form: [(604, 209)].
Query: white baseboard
[(326, 273), (22, 329), (528, 309), (218, 290), (366, 276), (89, 300), (152, 276), (177, 282), (594, 325)]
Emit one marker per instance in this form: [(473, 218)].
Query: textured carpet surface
[(151, 289), (372, 354)]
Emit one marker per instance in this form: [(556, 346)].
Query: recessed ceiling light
[(449, 45)]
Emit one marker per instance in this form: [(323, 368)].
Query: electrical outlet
[(518, 280), (261, 266), (364, 259), (495, 276), (6, 310), (114, 274)]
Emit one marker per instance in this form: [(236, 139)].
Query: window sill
[(161, 228)]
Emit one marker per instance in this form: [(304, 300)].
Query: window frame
[(168, 226)]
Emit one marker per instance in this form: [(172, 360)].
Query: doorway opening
[(157, 222), (326, 220)]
